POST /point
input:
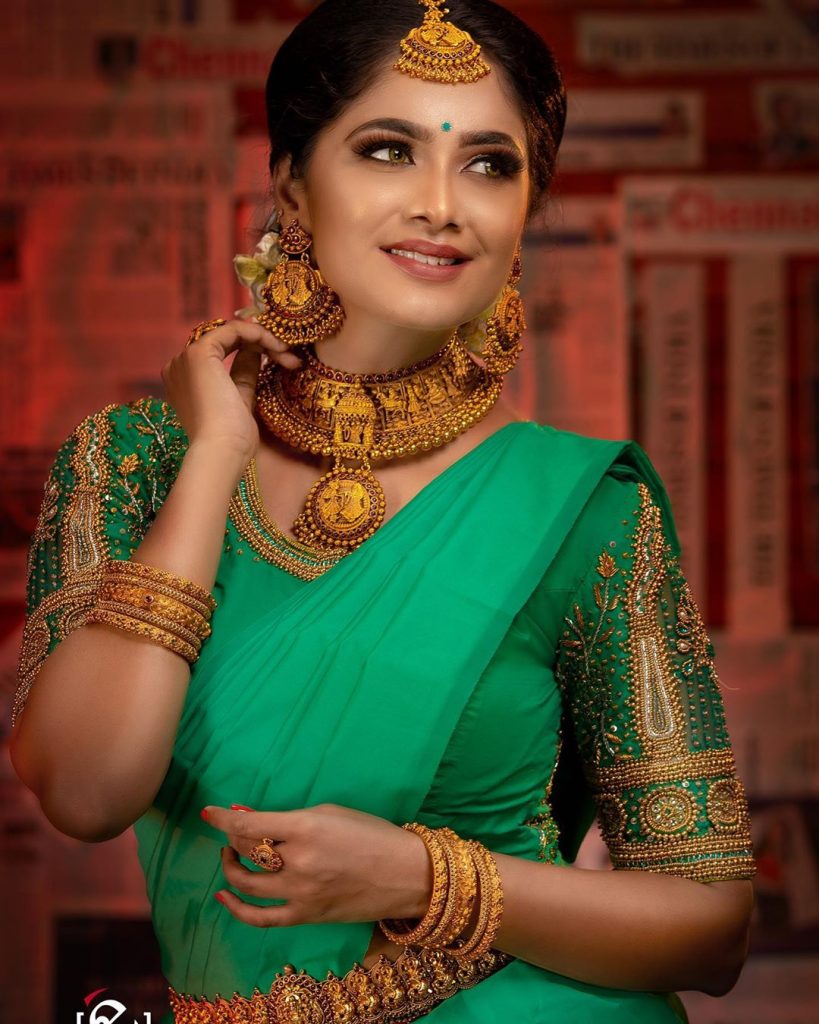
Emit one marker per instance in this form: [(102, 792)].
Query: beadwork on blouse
[(636, 670), (111, 474)]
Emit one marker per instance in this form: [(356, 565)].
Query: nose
[(435, 199)]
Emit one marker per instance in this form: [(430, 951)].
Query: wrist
[(422, 875), (220, 461)]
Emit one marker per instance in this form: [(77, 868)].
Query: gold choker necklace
[(363, 416)]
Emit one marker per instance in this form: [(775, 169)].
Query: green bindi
[(446, 126)]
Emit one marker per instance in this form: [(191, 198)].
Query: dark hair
[(335, 53)]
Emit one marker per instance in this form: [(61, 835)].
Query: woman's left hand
[(339, 865)]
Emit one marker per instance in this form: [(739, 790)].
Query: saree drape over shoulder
[(512, 653)]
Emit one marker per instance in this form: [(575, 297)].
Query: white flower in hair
[(253, 270), (473, 332)]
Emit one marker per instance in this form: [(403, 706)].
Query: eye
[(505, 164), (368, 147), (491, 161), (391, 149)]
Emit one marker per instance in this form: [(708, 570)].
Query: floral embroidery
[(165, 450), (692, 638), (585, 639)]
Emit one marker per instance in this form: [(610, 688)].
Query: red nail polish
[(203, 814), (240, 807), (220, 897)]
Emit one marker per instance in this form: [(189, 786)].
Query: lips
[(426, 248)]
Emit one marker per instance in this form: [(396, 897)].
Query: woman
[(475, 622)]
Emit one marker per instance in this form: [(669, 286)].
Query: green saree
[(513, 652)]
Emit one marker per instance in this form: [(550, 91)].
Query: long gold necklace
[(363, 416)]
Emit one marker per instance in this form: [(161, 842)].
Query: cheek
[(346, 229)]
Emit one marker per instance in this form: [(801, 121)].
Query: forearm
[(635, 930), (96, 735)]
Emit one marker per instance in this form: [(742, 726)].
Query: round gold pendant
[(343, 508)]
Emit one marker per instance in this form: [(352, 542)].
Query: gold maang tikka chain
[(362, 416)]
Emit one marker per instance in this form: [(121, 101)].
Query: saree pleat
[(348, 690)]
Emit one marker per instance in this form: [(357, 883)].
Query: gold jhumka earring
[(299, 306), (505, 326)]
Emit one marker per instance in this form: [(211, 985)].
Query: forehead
[(488, 103)]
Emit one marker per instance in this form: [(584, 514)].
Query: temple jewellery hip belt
[(387, 993)]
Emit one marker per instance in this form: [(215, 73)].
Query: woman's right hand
[(214, 405)]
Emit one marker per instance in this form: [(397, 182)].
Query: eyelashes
[(507, 164)]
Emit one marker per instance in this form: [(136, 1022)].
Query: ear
[(289, 193)]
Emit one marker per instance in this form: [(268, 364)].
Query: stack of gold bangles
[(463, 871), (160, 605)]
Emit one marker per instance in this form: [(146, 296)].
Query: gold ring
[(264, 854), (203, 327)]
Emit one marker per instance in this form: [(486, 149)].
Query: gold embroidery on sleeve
[(659, 713), (83, 553), (46, 527), (542, 821), (643, 693), (725, 798), (668, 811), (692, 637)]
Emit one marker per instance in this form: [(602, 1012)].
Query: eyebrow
[(417, 131)]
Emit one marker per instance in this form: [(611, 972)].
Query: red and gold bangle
[(162, 581), (127, 595)]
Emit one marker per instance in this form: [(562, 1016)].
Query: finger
[(244, 372), (259, 917), (248, 881), (289, 359), (236, 334), (279, 825)]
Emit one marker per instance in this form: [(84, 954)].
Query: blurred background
[(672, 295)]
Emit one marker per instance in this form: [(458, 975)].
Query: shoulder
[(626, 497), (130, 422), (571, 445), (628, 487), (127, 428), (618, 467), (131, 450)]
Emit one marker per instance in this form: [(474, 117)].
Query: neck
[(378, 348)]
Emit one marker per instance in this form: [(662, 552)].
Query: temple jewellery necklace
[(356, 417)]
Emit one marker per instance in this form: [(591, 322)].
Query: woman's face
[(368, 188)]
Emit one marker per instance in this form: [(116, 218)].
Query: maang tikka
[(439, 51), (299, 306)]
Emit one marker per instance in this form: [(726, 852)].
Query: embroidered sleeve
[(636, 670), (104, 487)]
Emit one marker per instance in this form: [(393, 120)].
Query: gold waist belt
[(388, 992)]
